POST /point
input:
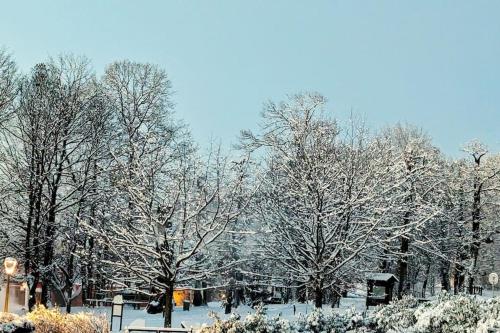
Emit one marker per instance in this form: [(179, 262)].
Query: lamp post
[(10, 265)]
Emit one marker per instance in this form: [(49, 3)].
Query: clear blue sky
[(435, 64)]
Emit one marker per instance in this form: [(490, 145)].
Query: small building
[(18, 297), (380, 288)]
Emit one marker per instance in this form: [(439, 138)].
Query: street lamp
[(10, 265)]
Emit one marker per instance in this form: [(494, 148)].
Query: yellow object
[(10, 265), (180, 295), (7, 293)]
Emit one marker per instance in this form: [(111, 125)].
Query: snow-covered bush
[(318, 321), (53, 321), (357, 322), (256, 322), (397, 315), (11, 323), (315, 322), (232, 325), (47, 320), (489, 315), (279, 325), (86, 323), (447, 314)]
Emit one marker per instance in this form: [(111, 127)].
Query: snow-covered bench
[(139, 325)]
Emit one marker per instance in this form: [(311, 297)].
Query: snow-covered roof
[(381, 276)]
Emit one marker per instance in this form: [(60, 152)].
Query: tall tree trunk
[(36, 254), (384, 263), (32, 190), (476, 219), (50, 230), (476, 215), (169, 296), (46, 297), (403, 286), (87, 285), (204, 294), (70, 278), (88, 243), (403, 267), (458, 278), (32, 298), (229, 301), (426, 279), (69, 295), (27, 241), (318, 294), (444, 272)]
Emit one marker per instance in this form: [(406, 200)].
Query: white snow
[(200, 315)]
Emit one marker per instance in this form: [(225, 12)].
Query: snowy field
[(199, 315)]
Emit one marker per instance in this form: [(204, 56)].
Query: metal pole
[(112, 315), (26, 297), (7, 292), (121, 316)]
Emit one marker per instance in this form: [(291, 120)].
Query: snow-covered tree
[(415, 174), (320, 202), (165, 241), (483, 185), (8, 81), (48, 142), (166, 206)]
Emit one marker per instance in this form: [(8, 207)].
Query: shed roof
[(381, 277)]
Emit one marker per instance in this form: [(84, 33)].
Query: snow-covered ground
[(200, 315), (489, 293)]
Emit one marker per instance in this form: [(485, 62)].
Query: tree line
[(100, 183)]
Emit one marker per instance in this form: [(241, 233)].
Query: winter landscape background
[(105, 190)]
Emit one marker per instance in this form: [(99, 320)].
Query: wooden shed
[(380, 288)]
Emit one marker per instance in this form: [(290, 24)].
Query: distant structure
[(380, 288), (489, 259)]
